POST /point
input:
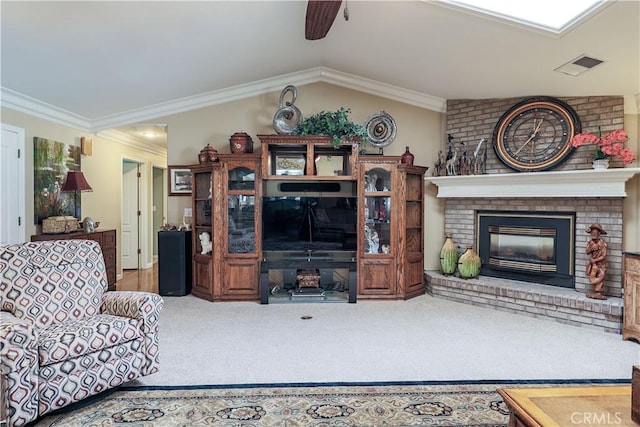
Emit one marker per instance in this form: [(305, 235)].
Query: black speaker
[(174, 263)]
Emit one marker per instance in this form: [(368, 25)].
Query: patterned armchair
[(62, 336)]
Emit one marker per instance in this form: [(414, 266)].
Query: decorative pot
[(208, 154), (240, 142), (89, 225), (407, 157), (601, 164), (448, 256), (469, 264)]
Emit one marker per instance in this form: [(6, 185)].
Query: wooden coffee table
[(569, 406)]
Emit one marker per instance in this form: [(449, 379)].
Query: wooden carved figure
[(597, 264)]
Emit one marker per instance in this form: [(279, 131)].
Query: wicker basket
[(59, 224)]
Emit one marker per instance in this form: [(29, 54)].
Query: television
[(309, 223), (309, 216)]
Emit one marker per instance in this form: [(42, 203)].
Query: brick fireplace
[(587, 196)]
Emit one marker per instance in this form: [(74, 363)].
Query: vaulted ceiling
[(110, 64)]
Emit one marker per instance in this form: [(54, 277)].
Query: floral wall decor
[(51, 162)]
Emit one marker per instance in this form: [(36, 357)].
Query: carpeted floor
[(358, 404)]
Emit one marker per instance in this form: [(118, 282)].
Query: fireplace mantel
[(574, 183)]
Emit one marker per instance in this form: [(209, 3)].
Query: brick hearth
[(553, 303)]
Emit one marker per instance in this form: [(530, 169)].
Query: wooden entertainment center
[(363, 223)]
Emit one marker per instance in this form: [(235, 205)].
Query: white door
[(12, 187), (130, 215)]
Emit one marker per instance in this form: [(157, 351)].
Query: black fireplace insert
[(529, 246)]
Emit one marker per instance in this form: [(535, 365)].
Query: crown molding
[(130, 141), (203, 100), (34, 107), (383, 90), (234, 93), (19, 102)]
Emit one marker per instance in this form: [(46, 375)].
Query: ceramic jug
[(448, 256), (469, 264)]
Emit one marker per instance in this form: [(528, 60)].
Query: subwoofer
[(174, 263)]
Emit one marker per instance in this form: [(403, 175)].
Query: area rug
[(378, 404)]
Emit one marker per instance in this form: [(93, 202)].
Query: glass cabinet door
[(201, 210), (377, 211), (242, 178), (241, 202)]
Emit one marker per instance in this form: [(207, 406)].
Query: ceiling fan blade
[(320, 17)]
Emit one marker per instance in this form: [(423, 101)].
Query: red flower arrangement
[(607, 146)]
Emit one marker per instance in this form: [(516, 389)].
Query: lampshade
[(76, 182)]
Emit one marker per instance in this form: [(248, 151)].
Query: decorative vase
[(469, 264), (448, 256), (208, 154), (240, 142), (407, 157), (601, 164)]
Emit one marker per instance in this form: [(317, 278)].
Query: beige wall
[(631, 206), (103, 171), (418, 128)]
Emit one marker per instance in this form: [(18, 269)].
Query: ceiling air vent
[(579, 65)]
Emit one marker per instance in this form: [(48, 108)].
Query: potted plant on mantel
[(608, 145), (335, 124)]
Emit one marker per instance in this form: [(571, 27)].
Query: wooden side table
[(631, 316), (569, 406)]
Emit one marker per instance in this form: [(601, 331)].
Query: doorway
[(159, 208), (12, 185), (130, 227)]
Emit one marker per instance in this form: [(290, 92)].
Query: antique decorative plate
[(381, 129)]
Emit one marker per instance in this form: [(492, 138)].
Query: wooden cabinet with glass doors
[(202, 210), (238, 252), (391, 237), (226, 208)]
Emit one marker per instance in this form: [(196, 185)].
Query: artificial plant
[(335, 124)]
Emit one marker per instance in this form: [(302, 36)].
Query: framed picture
[(179, 181), (289, 164)]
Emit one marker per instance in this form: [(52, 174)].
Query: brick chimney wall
[(470, 120)]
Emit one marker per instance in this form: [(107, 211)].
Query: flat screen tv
[(301, 223)]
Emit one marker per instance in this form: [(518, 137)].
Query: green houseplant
[(335, 124)]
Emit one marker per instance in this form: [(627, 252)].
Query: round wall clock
[(535, 134)]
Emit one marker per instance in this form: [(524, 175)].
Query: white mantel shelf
[(574, 183)]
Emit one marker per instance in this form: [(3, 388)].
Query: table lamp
[(76, 182)]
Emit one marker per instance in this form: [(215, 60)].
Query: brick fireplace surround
[(594, 196), (571, 187)]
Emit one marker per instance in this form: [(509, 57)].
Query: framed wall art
[(51, 162), (179, 181)]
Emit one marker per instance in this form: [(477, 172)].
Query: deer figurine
[(452, 163), (479, 161)]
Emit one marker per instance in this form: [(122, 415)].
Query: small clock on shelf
[(535, 134)]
